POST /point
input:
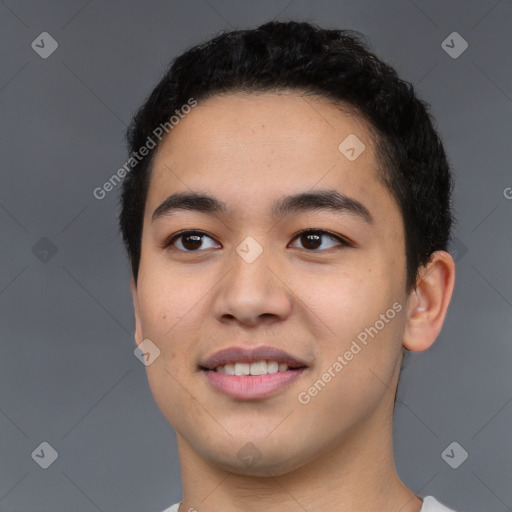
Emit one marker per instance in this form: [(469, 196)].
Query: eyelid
[(344, 241), (175, 236), (340, 238)]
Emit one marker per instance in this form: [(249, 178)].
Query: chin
[(249, 460)]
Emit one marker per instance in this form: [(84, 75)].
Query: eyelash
[(322, 232)]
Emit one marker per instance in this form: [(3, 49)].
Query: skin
[(336, 452)]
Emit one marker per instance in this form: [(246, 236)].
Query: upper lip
[(232, 355)]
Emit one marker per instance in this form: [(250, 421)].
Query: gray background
[(68, 375)]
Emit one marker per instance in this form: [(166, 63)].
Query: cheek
[(357, 305), (347, 295), (166, 310), (162, 304), (172, 307), (156, 308), (168, 290)]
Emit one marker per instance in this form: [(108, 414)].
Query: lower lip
[(252, 387)]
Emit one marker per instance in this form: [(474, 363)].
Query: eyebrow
[(322, 200)]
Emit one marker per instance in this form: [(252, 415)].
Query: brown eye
[(191, 241), (312, 239)]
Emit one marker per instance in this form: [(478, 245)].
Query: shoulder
[(173, 508), (430, 504)]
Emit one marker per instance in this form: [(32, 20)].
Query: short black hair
[(335, 64)]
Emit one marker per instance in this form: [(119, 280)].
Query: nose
[(252, 293)]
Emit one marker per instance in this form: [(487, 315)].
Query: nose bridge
[(251, 265), (251, 290)]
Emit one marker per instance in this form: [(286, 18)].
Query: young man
[(286, 217)]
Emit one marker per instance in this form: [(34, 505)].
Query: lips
[(232, 355), (218, 371)]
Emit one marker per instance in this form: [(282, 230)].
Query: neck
[(353, 475)]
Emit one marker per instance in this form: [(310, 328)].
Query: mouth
[(250, 374), (256, 368)]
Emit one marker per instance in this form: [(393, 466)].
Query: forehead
[(253, 148)]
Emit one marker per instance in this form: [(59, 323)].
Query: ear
[(138, 328), (428, 302)]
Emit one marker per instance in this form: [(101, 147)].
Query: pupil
[(311, 237), (196, 241)]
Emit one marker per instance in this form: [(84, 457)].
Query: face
[(320, 279)]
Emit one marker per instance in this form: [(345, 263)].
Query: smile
[(254, 373), (246, 386), (257, 368)]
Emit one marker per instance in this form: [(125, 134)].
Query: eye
[(192, 240), (312, 239)]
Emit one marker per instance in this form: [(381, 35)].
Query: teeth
[(272, 367), (257, 368), (242, 368)]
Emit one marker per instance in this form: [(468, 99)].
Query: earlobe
[(428, 302), (138, 329)]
